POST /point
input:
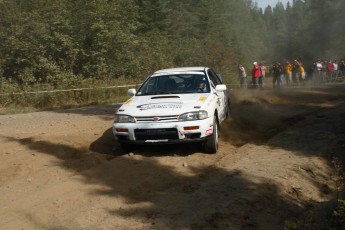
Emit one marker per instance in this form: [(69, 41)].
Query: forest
[(49, 44)]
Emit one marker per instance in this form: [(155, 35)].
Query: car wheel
[(211, 145)]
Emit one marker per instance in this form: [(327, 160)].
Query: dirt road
[(62, 169)]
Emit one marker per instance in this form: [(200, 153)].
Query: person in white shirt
[(335, 64), (243, 76), (318, 72)]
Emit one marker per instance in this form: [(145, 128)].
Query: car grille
[(156, 134), (171, 118)]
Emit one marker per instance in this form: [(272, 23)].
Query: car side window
[(214, 78)]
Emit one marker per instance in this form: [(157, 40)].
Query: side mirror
[(132, 92), (220, 88)]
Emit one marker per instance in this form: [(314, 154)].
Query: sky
[(264, 3)]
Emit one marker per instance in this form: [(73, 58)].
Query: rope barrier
[(66, 90), (78, 89)]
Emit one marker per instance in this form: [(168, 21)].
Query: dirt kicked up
[(278, 166)]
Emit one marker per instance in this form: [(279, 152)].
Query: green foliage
[(101, 39), (47, 44)]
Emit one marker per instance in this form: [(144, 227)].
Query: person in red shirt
[(256, 75), (330, 71)]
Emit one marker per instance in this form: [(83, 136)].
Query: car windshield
[(175, 84)]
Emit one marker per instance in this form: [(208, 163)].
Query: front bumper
[(163, 132)]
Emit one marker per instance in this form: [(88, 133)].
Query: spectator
[(301, 72), (256, 75), (262, 75), (243, 76), (277, 71), (295, 72), (318, 72), (336, 69), (324, 71), (342, 68), (330, 71), (288, 72)]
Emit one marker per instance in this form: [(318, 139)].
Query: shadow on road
[(106, 144), (165, 198)]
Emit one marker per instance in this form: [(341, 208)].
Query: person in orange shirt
[(302, 72), (262, 75), (288, 72)]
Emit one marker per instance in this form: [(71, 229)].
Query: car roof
[(182, 69)]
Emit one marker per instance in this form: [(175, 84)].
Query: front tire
[(211, 145)]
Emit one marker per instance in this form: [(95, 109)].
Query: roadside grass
[(57, 100), (46, 97)]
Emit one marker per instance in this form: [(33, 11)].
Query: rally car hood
[(164, 105)]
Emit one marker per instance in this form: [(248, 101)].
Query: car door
[(221, 96)]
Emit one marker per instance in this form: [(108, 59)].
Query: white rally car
[(174, 106)]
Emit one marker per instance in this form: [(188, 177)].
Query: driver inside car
[(201, 87)]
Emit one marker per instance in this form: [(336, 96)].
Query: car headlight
[(191, 116), (124, 119)]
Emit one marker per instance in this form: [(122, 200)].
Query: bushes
[(70, 92)]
